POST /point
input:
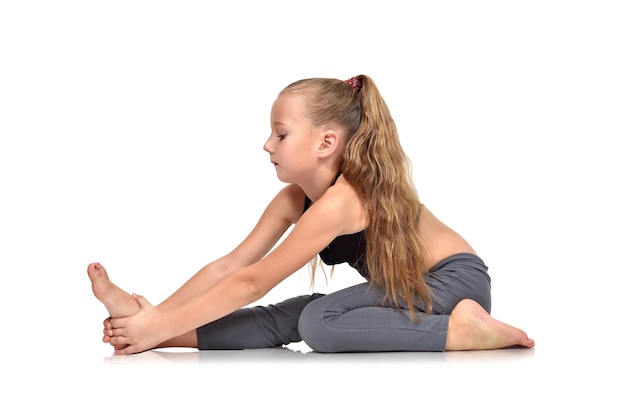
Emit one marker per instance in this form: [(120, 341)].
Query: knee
[(314, 329)]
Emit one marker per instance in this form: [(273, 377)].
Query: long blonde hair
[(375, 164)]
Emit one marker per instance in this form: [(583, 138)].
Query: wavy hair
[(375, 164)]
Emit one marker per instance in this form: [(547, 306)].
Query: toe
[(96, 271)]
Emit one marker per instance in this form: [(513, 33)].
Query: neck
[(319, 183)]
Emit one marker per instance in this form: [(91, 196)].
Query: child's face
[(292, 142)]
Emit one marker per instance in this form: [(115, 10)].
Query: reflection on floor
[(301, 353)]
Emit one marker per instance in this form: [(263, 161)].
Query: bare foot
[(117, 302), (472, 328)]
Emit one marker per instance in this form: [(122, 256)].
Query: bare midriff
[(440, 240)]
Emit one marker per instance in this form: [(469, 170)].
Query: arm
[(282, 211), (330, 216)]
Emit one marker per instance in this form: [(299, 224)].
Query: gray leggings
[(356, 318)]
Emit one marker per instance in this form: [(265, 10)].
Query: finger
[(117, 332), (107, 323), (119, 341), (118, 322), (107, 332)]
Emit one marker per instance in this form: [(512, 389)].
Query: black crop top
[(348, 248)]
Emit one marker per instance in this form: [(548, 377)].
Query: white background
[(131, 134)]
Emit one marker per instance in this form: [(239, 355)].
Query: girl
[(351, 199)]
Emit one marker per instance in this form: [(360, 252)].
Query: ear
[(329, 142)]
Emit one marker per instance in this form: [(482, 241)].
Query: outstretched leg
[(471, 328)]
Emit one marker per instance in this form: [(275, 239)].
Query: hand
[(139, 332)]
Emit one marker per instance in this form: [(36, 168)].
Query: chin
[(282, 177)]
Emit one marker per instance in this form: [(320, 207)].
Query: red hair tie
[(355, 83)]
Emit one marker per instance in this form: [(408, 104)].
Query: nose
[(267, 146)]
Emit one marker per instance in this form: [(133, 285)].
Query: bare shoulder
[(341, 206), (288, 203)]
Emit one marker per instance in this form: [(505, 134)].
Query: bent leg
[(353, 320), (356, 319), (258, 327)]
